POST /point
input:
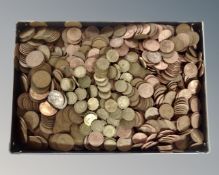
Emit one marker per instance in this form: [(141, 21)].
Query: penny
[(116, 42), (61, 142), (41, 79), (74, 34), (124, 132), (34, 59), (124, 144), (151, 113), (190, 70), (166, 111), (183, 123), (95, 139), (164, 34), (32, 119), (166, 46), (46, 109), (151, 45), (139, 138), (145, 90), (194, 86), (154, 57), (110, 145)]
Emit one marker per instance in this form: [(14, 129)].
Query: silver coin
[(56, 99)]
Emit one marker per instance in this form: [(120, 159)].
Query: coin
[(128, 114), (109, 131), (145, 90), (32, 120), (80, 72), (111, 105), (123, 102), (166, 46), (74, 34), (89, 118), (56, 99), (124, 144), (46, 109), (112, 55), (41, 79), (34, 59), (166, 111), (95, 139), (151, 45)]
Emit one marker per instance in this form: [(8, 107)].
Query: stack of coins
[(124, 87)]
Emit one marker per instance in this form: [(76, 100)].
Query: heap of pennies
[(125, 87)]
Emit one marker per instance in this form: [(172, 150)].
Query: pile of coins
[(124, 87)]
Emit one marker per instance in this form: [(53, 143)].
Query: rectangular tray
[(17, 147)]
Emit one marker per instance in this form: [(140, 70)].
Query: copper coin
[(34, 59), (46, 109), (145, 90), (167, 46), (151, 45), (116, 42), (190, 70), (74, 34), (95, 139), (90, 63)]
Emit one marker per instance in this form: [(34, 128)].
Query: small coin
[(128, 114), (74, 34), (56, 99), (121, 86), (145, 90), (80, 106), (93, 104), (151, 45), (190, 70), (109, 131), (123, 102), (111, 105), (95, 139), (46, 109), (112, 55), (167, 46), (124, 145), (41, 79), (89, 118), (166, 111), (79, 72), (34, 59), (32, 119)]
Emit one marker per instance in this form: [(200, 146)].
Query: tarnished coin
[(145, 90), (95, 139), (93, 104), (34, 59), (111, 105), (32, 119), (166, 111), (167, 46), (46, 109), (151, 45), (109, 131)]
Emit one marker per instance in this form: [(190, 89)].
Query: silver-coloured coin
[(56, 99)]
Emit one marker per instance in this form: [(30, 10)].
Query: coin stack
[(121, 87)]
